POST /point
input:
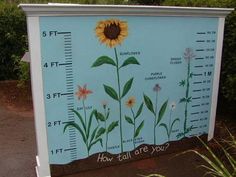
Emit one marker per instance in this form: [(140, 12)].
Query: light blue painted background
[(157, 39)]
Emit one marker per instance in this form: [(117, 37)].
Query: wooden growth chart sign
[(117, 83)]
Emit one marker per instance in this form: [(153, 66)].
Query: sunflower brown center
[(112, 31)]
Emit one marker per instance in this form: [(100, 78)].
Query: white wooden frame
[(42, 159), (216, 78), (34, 11)]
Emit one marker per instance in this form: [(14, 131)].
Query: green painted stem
[(119, 99), (154, 136), (155, 132), (156, 102), (106, 133), (169, 132), (134, 126), (186, 103), (85, 117), (105, 113), (106, 141)]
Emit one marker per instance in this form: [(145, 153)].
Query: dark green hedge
[(228, 74), (13, 41)]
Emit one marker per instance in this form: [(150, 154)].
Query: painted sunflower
[(111, 32)]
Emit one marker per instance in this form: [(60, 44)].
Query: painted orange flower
[(111, 32), (83, 92), (130, 102)]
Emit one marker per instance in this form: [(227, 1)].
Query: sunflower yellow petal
[(111, 32)]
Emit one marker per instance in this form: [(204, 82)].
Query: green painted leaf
[(148, 103), (95, 142), (166, 128), (137, 131), (130, 60), (139, 111), (75, 125), (93, 134), (189, 129), (100, 140), (100, 116), (111, 92), (179, 135), (129, 120), (189, 99), (127, 87), (103, 60), (112, 126), (80, 118), (177, 119), (162, 111), (108, 113), (182, 100), (182, 83), (90, 122), (191, 75), (100, 132)]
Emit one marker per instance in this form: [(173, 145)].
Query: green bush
[(13, 40), (70, 1), (228, 75), (24, 74), (199, 3)]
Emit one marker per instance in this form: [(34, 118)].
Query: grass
[(216, 165)]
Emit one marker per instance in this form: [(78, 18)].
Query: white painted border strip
[(77, 9), (216, 80), (42, 169)]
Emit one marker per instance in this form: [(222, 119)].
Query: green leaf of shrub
[(100, 132), (127, 87), (162, 111), (137, 131), (130, 60), (139, 110), (148, 103), (103, 60), (111, 92), (129, 120), (112, 126)]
